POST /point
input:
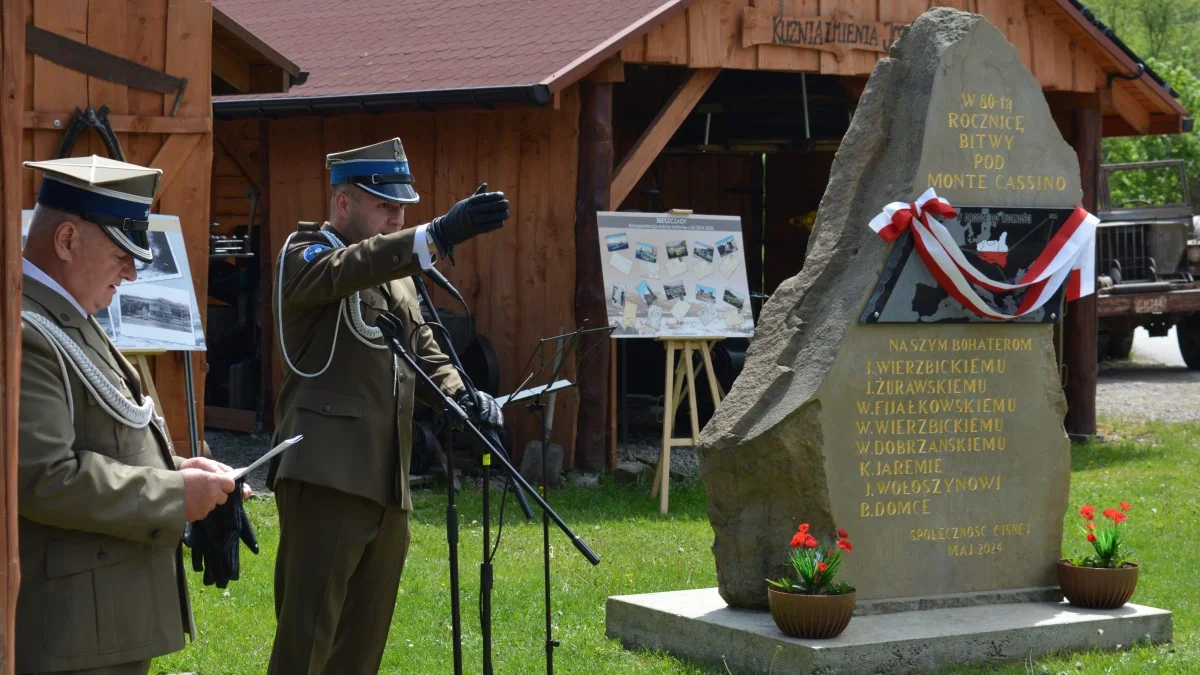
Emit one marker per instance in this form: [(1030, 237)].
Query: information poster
[(158, 310), (667, 274)]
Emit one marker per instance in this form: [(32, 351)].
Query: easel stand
[(674, 389), (141, 364)]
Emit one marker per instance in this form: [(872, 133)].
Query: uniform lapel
[(68, 316)]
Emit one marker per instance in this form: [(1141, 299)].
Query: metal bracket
[(91, 119), (98, 63)]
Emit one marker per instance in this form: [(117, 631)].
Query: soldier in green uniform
[(102, 498), (343, 494)]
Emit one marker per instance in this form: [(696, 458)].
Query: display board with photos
[(667, 274), (158, 310)]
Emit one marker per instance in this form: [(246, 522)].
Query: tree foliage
[(1162, 32)]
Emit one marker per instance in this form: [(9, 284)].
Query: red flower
[(810, 542), (803, 529), (822, 566), (1111, 513), (1125, 506), (845, 545), (1119, 517), (843, 535), (1091, 537), (1090, 526), (1087, 511), (797, 540)]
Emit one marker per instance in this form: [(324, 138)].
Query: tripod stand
[(393, 332), (566, 343)]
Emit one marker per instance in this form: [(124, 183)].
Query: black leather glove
[(484, 411), (479, 213), (214, 540)]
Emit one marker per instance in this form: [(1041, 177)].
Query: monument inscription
[(875, 401)]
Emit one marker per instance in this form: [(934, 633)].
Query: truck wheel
[(1120, 345), (1188, 333)]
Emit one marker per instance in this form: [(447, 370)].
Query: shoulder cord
[(111, 400), (350, 311)]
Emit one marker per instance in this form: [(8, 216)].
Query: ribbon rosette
[(1070, 256)]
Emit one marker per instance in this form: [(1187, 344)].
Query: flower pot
[(1097, 587), (811, 616)]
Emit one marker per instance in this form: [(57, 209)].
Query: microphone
[(437, 278)]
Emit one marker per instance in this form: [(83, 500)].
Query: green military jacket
[(101, 511), (356, 416)]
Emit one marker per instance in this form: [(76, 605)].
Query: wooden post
[(266, 279), (1079, 324), (594, 183), (12, 92)]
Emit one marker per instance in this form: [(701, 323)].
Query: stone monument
[(874, 402)]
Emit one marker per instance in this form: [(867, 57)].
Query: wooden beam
[(1166, 124), (12, 90), (266, 280), (171, 157), (230, 419), (230, 67), (611, 70), (1079, 323), (229, 146), (592, 194), (654, 139), (1120, 100), (137, 124)]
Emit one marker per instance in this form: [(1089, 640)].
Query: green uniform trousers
[(339, 565), (135, 668)]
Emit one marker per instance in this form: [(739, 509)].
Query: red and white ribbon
[(1070, 256)]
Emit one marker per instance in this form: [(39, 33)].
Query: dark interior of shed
[(758, 145)]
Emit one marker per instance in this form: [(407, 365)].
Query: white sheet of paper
[(680, 309), (728, 266), (654, 317), (675, 267), (702, 269), (707, 314), (237, 474), (650, 270), (623, 264), (733, 319), (630, 317)]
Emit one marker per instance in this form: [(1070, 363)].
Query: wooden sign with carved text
[(838, 33)]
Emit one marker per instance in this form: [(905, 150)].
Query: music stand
[(534, 400)]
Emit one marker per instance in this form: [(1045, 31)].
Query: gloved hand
[(214, 540), (479, 213), (484, 411)]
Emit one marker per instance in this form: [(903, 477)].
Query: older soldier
[(343, 495), (102, 498)]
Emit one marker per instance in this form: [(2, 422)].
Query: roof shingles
[(358, 47)]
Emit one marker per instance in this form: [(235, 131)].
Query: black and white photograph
[(617, 242), (618, 294), (156, 312), (163, 266), (702, 251), (676, 249), (726, 246), (706, 293), (734, 298), (105, 319), (674, 291)]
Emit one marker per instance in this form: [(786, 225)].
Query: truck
[(1147, 259)]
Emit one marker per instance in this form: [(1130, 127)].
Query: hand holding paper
[(238, 474)]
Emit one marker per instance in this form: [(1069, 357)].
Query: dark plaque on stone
[(1001, 242), (934, 437)]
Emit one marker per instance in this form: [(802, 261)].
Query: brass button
[(395, 260), (64, 316), (325, 408)]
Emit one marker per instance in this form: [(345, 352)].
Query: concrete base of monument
[(697, 625)]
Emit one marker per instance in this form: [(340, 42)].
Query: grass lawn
[(1154, 467)]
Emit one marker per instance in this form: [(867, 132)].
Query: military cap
[(114, 195), (380, 169)]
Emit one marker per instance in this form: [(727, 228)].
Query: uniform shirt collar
[(35, 272)]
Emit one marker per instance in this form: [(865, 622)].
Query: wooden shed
[(172, 130), (719, 106)]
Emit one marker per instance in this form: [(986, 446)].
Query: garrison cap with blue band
[(117, 196), (380, 169)]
